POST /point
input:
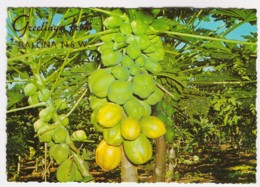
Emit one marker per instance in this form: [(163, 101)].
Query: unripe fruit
[(120, 92), (30, 89), (59, 152), (125, 28), (79, 135), (46, 114), (60, 134), (44, 94), (133, 51), (66, 172)]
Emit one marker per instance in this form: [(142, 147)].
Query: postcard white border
[(255, 4)]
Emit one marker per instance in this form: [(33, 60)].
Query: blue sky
[(236, 34)]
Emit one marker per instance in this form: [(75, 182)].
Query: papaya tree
[(128, 84)]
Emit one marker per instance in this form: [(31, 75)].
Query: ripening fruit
[(130, 128), (108, 157), (109, 115), (138, 151), (113, 135), (152, 126), (30, 89)]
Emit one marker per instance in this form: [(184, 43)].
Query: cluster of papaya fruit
[(51, 128), (124, 90)]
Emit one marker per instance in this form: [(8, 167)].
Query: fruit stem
[(76, 104), (207, 38), (165, 90), (101, 10), (27, 107)]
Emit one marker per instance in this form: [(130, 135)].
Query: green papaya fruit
[(30, 89), (158, 54), (129, 39), (125, 28), (161, 24), (33, 99), (95, 103), (60, 134), (119, 37), (112, 22), (66, 172), (140, 61), (106, 46), (111, 58), (145, 16), (143, 85), (38, 124), (108, 37), (143, 42), (138, 27), (134, 108), (135, 70), (127, 61), (45, 133), (79, 135), (133, 51), (120, 92), (99, 82), (46, 114), (59, 152), (120, 72), (44, 94), (155, 97), (153, 66)]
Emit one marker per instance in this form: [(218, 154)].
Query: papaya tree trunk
[(128, 170), (160, 160)]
